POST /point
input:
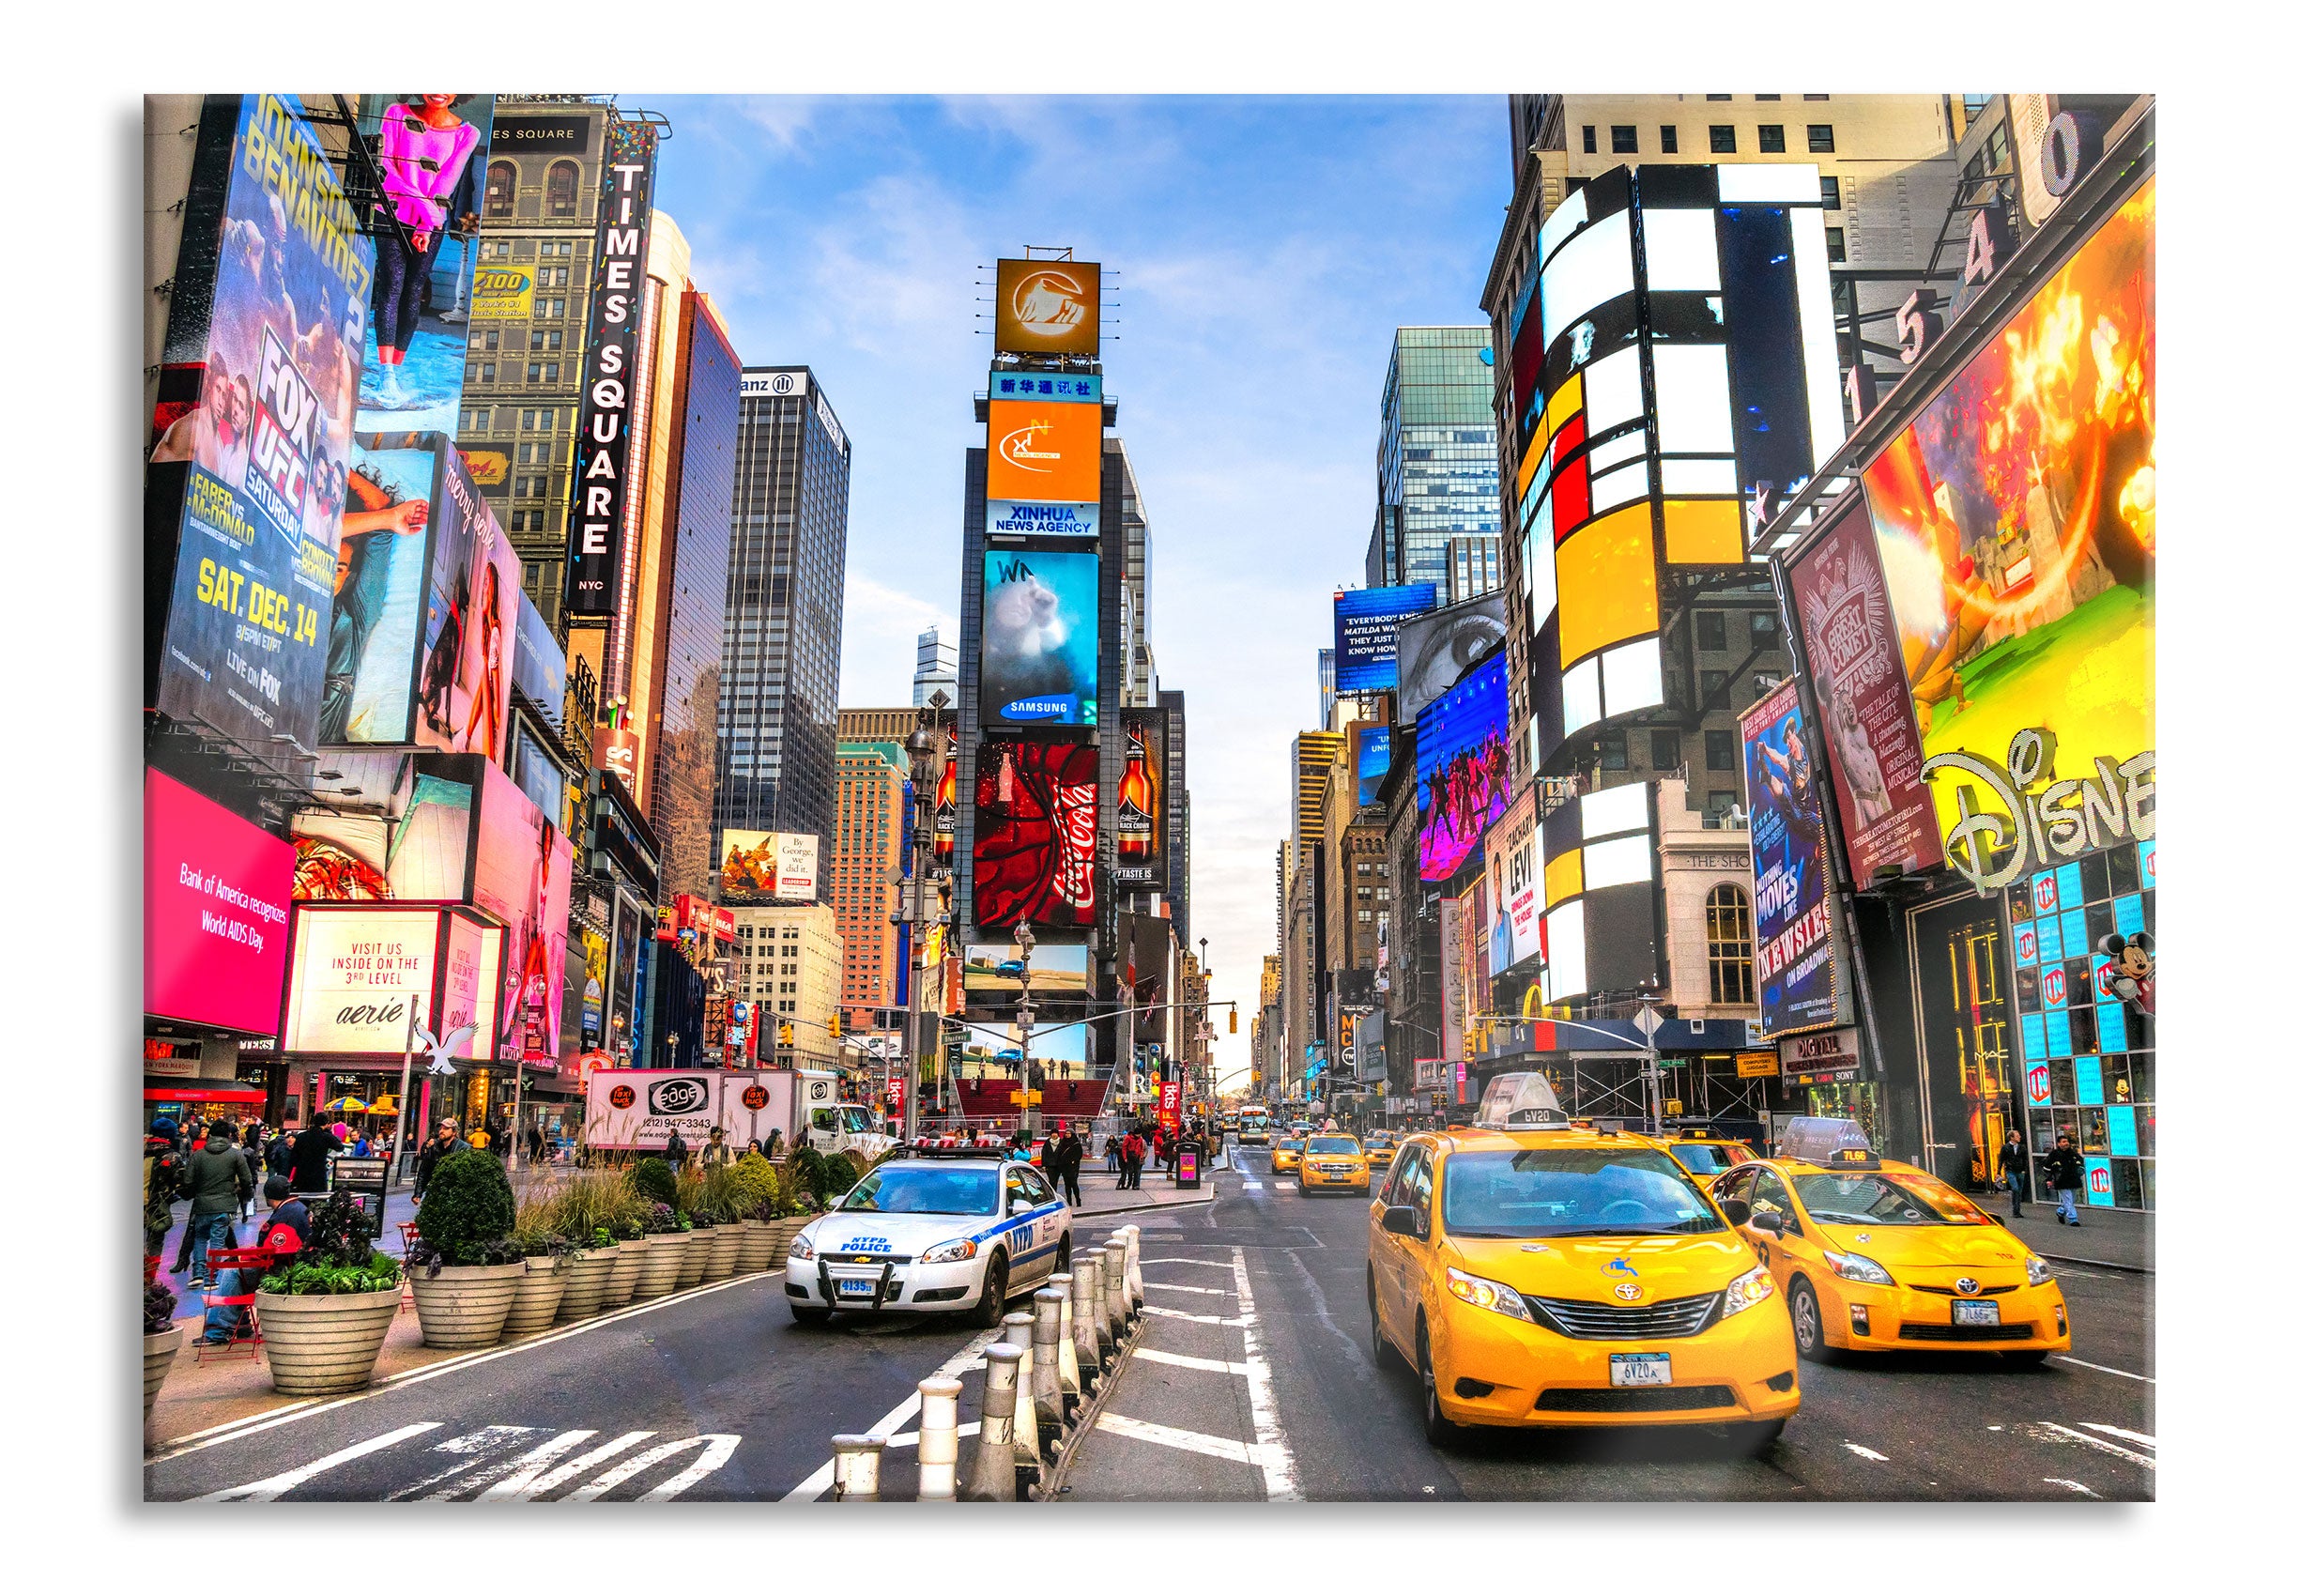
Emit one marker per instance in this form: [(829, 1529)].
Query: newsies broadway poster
[(1796, 951)]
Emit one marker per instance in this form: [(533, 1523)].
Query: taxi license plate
[(1641, 1369), (864, 1287), (1974, 1313)]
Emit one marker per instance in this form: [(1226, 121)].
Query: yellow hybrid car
[(1381, 1148), (1537, 1273), (1334, 1163), (1286, 1155), (1873, 1255)]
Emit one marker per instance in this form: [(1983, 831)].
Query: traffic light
[(783, 1035), (1234, 1019), (837, 1023)]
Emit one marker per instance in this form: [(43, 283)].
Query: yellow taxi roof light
[(1818, 1140), (1520, 1101)]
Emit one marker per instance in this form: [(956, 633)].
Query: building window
[(1668, 141), (1821, 138), (1612, 750), (1666, 754), (1588, 141), (1764, 97), (1624, 141), (488, 340), (1717, 97), (1721, 800), (502, 182), (1764, 630), (1729, 974), (1836, 236), (479, 419), (1829, 195), (541, 338), (559, 190), (1772, 139), (1713, 685), (1721, 749), (1709, 629), (1812, 97), (1721, 139)]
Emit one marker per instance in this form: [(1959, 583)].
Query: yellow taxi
[(1333, 1163), (1873, 1255), (1381, 1148), (1705, 1153), (1286, 1153), (1537, 1273)]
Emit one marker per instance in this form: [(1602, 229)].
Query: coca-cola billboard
[(1034, 822)]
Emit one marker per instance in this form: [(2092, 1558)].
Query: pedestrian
[(1067, 1154), (675, 1151), (1110, 1153), (307, 1170), (1131, 1153), (2064, 1169), (276, 1150), (444, 1141), (757, 1148), (2016, 1166), (220, 1184), (164, 1171), (251, 1149), (285, 1232), (534, 1143), (715, 1151)]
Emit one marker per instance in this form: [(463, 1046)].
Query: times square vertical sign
[(611, 369)]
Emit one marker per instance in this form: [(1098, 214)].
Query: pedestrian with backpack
[(221, 1183)]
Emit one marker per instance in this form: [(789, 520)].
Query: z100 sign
[(1035, 825)]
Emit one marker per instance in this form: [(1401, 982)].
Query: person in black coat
[(2014, 1158), (1064, 1158), (445, 1140), (2065, 1171), (307, 1164)]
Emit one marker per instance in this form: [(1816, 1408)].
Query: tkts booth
[(1969, 589)]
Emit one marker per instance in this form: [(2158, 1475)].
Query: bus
[(1254, 1125)]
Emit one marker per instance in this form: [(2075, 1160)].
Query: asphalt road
[(1256, 1379)]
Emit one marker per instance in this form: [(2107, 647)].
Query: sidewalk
[(1099, 1190), (2111, 1239)]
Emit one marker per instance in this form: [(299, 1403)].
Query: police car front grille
[(1603, 1320), (866, 1257)]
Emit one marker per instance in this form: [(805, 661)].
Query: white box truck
[(635, 1110)]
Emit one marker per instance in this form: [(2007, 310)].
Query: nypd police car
[(931, 1231)]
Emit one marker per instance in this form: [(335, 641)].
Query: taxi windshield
[(1333, 1144), (1703, 1158), (1572, 1191), (925, 1188), (1874, 1198)]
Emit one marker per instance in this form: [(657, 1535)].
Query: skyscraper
[(786, 594), (862, 855), (1136, 657), (1438, 517), (937, 669)]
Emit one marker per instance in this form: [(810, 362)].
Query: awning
[(210, 1092)]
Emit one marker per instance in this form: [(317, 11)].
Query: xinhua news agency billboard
[(1366, 634)]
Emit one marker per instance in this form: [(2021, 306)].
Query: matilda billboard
[(1366, 634), (1796, 939), (252, 434)]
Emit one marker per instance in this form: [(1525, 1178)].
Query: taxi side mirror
[(1401, 1220), (1768, 1221), (1736, 1211)]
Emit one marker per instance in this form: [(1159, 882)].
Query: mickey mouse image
[(2131, 970)]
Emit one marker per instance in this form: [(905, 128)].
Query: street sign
[(1648, 1021)]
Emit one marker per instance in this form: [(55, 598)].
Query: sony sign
[(612, 370)]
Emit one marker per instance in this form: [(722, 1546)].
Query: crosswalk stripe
[(1202, 1262), (280, 1484), (2148, 1441), (1167, 1436), (473, 1449), (1193, 1318), (1211, 1365), (2095, 1442), (631, 1469), (1193, 1289), (525, 1490), (717, 1450), (515, 1470)]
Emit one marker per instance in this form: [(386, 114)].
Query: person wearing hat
[(444, 1141), (715, 1151)]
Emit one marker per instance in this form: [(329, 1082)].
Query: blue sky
[(1265, 249)]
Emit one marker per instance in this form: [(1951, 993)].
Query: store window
[(502, 183), (1731, 946)]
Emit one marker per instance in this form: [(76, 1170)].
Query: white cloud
[(879, 640)]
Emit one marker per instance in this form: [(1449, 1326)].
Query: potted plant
[(698, 1254), (326, 1311), (629, 1230), (550, 1262), (707, 1198), (162, 1335), (462, 1265), (756, 1194), (582, 1211), (666, 1249)]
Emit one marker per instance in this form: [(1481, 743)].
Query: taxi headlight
[(2039, 1272), (801, 1246), (948, 1252), (1747, 1292), (1854, 1267), (1487, 1294)]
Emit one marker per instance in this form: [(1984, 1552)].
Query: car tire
[(1754, 1439), (1062, 1257), (1805, 1323), (809, 1317), (1436, 1428), (2028, 1357), (1386, 1357), (992, 1308)]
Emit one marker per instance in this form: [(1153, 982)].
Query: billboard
[(252, 431), (1044, 450), (1435, 647), (1037, 518), (1796, 939), (520, 875), (1041, 613), (2016, 520), (354, 974), (1056, 968), (1462, 767), (611, 373), (759, 866), (1140, 845), (469, 981), (427, 589), (635, 1109), (1875, 759), (431, 152), (1074, 387), (1516, 875), (1049, 307), (1373, 761), (215, 911), (502, 291), (1035, 834), (539, 664), (1366, 634)]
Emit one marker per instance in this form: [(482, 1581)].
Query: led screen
[(1462, 767), (1055, 967), (215, 911), (1035, 834), (431, 153), (1796, 958), (1044, 450), (1366, 634), (1434, 648), (1048, 307), (1139, 820), (1040, 614), (758, 866), (1373, 761)]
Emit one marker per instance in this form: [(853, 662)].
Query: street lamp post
[(920, 746), (1026, 939)]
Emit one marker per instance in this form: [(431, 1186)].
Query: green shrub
[(807, 1165), (721, 1197), (467, 1214), (758, 1194), (839, 1175), (652, 1178)]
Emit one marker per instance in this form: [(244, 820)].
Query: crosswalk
[(516, 1463)]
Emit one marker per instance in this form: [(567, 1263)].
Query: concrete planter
[(758, 1252), (158, 1357), (785, 1228), (697, 1259), (321, 1345), (659, 1269), (535, 1304), (725, 1247), (465, 1305), (623, 1276), (586, 1283)]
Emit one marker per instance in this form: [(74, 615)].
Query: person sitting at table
[(285, 1230)]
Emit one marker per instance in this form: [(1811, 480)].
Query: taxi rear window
[(1703, 1158), (1333, 1144), (1572, 1191), (1880, 1199)]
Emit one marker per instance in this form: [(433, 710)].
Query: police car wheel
[(992, 1308), (1062, 1257)]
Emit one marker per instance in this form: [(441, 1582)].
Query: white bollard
[(938, 1439), (854, 1467), (1113, 1291), (1067, 1367), (1046, 1369), (1093, 1329), (1133, 1270), (991, 1479), (1029, 1455)]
